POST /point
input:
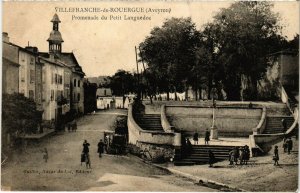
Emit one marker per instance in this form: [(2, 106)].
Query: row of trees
[(234, 47)]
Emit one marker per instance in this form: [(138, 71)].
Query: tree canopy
[(230, 53)]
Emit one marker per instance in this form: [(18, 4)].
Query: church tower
[(55, 40)]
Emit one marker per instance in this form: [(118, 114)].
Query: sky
[(104, 46)]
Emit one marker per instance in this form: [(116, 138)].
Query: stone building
[(67, 73), (10, 66)]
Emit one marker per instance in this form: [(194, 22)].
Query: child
[(45, 155)]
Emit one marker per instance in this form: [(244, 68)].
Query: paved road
[(63, 171)]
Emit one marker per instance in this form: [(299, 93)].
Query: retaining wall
[(230, 121)]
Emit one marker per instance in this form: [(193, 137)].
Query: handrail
[(259, 128), (164, 121), (296, 120)]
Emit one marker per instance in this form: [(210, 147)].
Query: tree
[(122, 82), (245, 34), (169, 52), (19, 114)]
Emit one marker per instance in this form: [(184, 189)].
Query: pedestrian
[(45, 155), (195, 138), (236, 155), (231, 157), (87, 161), (242, 156), (86, 149), (284, 124), (284, 145), (74, 126), (82, 158), (246, 154), (289, 145), (206, 137), (101, 147), (211, 158), (189, 146), (69, 127), (276, 156)]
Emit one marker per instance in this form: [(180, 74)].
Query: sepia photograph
[(150, 96)]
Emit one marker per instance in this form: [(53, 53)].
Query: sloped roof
[(55, 18), (55, 36), (103, 92), (7, 61)]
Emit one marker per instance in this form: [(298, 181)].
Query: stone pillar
[(214, 132)]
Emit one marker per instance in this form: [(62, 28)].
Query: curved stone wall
[(230, 121)]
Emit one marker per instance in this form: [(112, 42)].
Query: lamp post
[(213, 129)]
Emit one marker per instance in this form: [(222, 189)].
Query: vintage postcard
[(162, 95)]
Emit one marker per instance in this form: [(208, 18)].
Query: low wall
[(230, 121), (137, 135)]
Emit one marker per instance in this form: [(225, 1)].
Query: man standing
[(195, 138), (100, 147), (211, 158), (206, 137), (289, 145)]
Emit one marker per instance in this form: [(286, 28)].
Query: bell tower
[(55, 40)]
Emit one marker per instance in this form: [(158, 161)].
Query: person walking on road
[(211, 158), (86, 151), (45, 155), (276, 156), (101, 147), (195, 138), (206, 137)]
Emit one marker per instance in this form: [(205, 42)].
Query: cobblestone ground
[(63, 171)]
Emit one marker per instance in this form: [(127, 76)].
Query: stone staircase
[(150, 122), (274, 124), (199, 154)]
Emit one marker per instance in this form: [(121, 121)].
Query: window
[(31, 94), (32, 76), (52, 95), (32, 60), (74, 82), (52, 78), (22, 72), (78, 83)]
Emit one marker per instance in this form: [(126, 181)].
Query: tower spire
[(55, 40)]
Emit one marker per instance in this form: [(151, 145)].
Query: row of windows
[(56, 78), (59, 94), (78, 83)]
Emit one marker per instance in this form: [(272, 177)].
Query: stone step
[(184, 163)]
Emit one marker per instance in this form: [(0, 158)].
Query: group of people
[(206, 138), (85, 157), (241, 155), (287, 147), (72, 126)]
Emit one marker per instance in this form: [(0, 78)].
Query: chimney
[(32, 49), (5, 37)]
